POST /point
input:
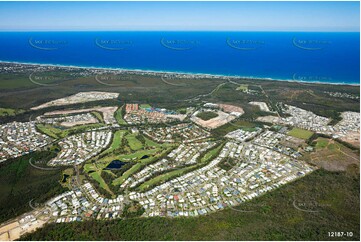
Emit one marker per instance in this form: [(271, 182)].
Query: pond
[(115, 164), (65, 176)]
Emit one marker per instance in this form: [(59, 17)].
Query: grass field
[(321, 143), (10, 112), (300, 133), (242, 88)]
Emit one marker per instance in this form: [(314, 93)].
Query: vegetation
[(334, 195), (96, 175), (237, 124), (274, 216), (119, 114), (332, 155), (10, 112), (99, 116), (227, 163), (20, 183), (58, 133), (133, 142), (301, 133), (243, 88), (202, 160), (139, 165), (145, 106), (207, 115)]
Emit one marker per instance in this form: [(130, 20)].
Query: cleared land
[(212, 123), (300, 133), (332, 155), (78, 98)]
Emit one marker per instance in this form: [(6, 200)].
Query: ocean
[(298, 56)]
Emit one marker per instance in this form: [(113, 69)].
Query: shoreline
[(160, 72)]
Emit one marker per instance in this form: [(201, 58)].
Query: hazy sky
[(269, 16)]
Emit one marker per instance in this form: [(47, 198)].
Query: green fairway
[(97, 177), (117, 140), (89, 167), (207, 157), (151, 143), (119, 116), (300, 133), (61, 133), (164, 177), (99, 116), (211, 154), (142, 163), (133, 142), (145, 105)]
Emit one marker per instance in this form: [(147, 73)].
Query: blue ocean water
[(311, 56)]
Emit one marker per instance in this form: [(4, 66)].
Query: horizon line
[(170, 30)]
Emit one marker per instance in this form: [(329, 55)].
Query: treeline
[(22, 183), (312, 141)]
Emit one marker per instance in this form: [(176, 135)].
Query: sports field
[(300, 133)]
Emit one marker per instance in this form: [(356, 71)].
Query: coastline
[(162, 72)]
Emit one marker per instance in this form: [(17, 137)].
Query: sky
[(173, 16)]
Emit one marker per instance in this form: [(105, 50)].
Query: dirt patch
[(108, 113), (333, 156), (213, 123), (353, 138), (231, 108)]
